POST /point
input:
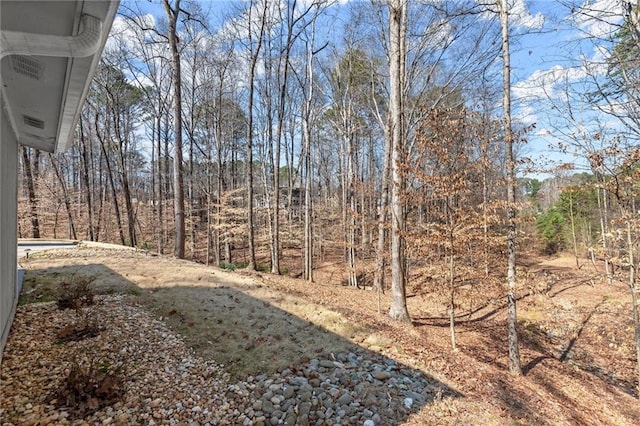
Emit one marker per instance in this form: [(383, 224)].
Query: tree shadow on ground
[(241, 327), (546, 347)]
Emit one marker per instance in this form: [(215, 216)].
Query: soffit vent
[(33, 122), (27, 66)]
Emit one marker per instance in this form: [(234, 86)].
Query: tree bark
[(604, 220), (123, 144), (308, 200), (116, 206), (351, 209), (397, 52), (178, 179), (512, 318), (249, 166), (383, 214), (634, 300), (31, 190), (85, 178), (573, 229), (65, 197), (452, 275), (219, 177)]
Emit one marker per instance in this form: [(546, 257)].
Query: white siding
[(8, 226)]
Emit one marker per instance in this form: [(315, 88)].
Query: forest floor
[(576, 332)]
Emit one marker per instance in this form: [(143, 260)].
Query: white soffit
[(49, 52)]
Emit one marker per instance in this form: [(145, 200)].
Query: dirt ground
[(576, 332)]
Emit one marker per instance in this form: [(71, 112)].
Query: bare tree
[(173, 13), (309, 96), (144, 58), (397, 53), (254, 47), (512, 317), (30, 180), (103, 139), (66, 199), (84, 152)]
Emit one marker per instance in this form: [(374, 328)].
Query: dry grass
[(225, 317), (260, 323)]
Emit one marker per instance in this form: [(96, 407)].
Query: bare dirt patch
[(576, 333)]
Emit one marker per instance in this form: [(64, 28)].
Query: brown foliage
[(75, 294), (86, 390), (77, 332)]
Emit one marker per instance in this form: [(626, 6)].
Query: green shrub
[(550, 227)]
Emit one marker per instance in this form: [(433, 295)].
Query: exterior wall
[(8, 226)]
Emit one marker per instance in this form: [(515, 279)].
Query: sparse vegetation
[(259, 324), (75, 293), (89, 388), (83, 327)]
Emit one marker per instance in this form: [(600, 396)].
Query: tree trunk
[(452, 276), (101, 197), (31, 190), (378, 280), (116, 206), (485, 206), (634, 300), (602, 213), (65, 198), (351, 209), (397, 33), (219, 178), (249, 166), (306, 126), (573, 230), (85, 178), (158, 199), (124, 180), (178, 180), (512, 318)]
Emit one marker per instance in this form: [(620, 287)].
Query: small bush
[(228, 266), (263, 267), (260, 267), (84, 327), (550, 227), (77, 332), (75, 293), (87, 390)]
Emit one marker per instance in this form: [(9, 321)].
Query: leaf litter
[(221, 317)]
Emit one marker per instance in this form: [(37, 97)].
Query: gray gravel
[(345, 388), (166, 383)]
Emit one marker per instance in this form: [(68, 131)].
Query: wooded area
[(276, 138)]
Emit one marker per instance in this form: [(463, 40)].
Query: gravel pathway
[(165, 383)]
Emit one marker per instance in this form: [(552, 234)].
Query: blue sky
[(548, 51), (565, 52)]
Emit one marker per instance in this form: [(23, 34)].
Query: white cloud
[(543, 88), (519, 14), (543, 84), (127, 32), (552, 86), (599, 18), (521, 17), (129, 42), (544, 132)]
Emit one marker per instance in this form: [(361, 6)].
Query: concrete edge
[(110, 246), (19, 279), (5, 333)]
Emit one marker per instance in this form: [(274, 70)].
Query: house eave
[(46, 69)]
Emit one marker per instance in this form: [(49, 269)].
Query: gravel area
[(165, 383)]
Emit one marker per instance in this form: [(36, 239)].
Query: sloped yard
[(193, 343)]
